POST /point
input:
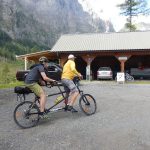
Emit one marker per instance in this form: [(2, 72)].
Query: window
[(52, 68)]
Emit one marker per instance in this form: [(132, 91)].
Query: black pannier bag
[(22, 90), (20, 75)]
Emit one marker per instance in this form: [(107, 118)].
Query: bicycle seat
[(76, 79)]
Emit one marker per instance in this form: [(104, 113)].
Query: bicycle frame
[(61, 92)]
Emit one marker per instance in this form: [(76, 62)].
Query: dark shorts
[(69, 85)]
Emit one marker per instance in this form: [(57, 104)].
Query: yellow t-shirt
[(69, 70)]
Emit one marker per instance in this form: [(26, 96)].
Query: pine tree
[(132, 8)]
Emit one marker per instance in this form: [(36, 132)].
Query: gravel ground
[(121, 122)]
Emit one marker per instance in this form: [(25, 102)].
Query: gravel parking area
[(121, 122)]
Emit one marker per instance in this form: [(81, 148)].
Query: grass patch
[(11, 85), (8, 71)]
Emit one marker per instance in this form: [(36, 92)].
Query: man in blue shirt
[(37, 77)]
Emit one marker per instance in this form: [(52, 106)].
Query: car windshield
[(104, 69), (54, 64), (58, 66)]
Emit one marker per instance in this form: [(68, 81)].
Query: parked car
[(104, 73), (140, 73), (54, 71)]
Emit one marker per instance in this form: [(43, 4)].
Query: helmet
[(43, 59)]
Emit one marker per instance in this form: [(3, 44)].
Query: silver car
[(104, 73)]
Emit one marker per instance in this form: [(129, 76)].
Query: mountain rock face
[(43, 21)]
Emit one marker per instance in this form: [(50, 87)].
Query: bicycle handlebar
[(51, 84)]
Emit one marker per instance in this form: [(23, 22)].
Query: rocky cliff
[(43, 21)]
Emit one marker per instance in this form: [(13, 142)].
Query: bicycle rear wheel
[(26, 114), (87, 104)]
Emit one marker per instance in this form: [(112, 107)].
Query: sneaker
[(65, 108), (44, 116), (70, 108)]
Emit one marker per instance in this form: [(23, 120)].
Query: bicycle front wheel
[(26, 114), (87, 104)]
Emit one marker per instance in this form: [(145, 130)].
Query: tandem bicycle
[(26, 113)]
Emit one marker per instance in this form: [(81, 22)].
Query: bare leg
[(73, 98), (67, 98), (42, 101)]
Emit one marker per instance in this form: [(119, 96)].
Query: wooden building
[(120, 51)]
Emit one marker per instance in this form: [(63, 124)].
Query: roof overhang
[(35, 56)]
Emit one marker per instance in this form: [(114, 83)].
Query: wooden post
[(122, 60), (25, 63), (88, 71), (89, 60), (122, 65), (63, 59)]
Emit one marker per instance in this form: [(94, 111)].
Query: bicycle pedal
[(46, 111)]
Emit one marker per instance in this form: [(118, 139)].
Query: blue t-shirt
[(34, 75)]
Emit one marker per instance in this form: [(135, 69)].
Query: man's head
[(72, 57), (43, 60)]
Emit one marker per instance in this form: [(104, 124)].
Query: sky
[(107, 10)]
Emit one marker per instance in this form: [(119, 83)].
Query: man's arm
[(45, 78), (73, 69)]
